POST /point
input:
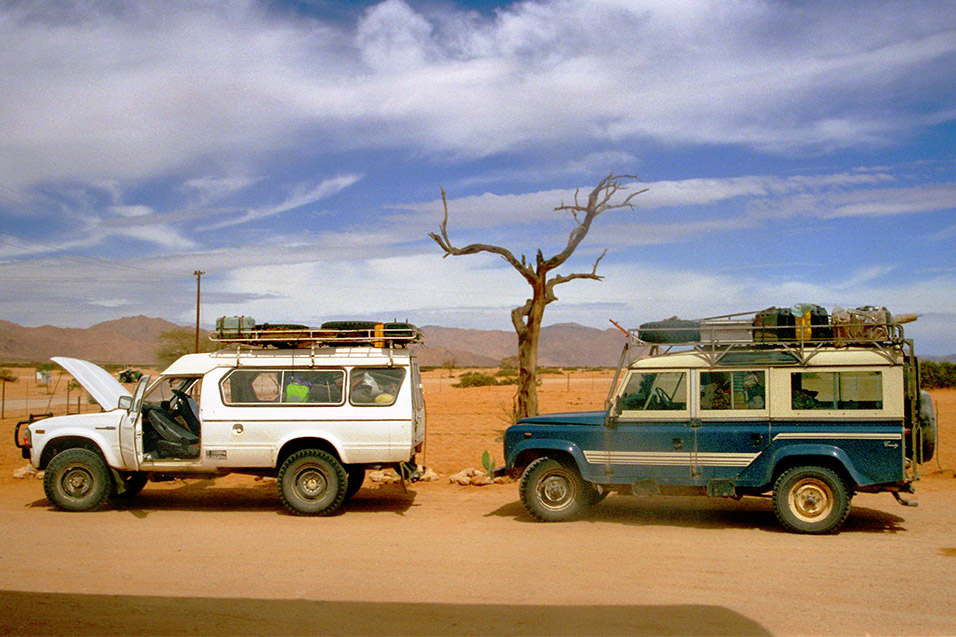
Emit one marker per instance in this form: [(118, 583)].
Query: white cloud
[(302, 195), (106, 91)]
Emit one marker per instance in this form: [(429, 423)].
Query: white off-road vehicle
[(312, 408)]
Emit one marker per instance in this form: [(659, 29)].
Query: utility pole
[(198, 274)]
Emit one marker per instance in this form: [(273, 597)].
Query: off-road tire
[(811, 500), (356, 476), (312, 482), (551, 491), (77, 480), (133, 483)]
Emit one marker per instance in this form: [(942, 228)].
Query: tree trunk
[(529, 332)]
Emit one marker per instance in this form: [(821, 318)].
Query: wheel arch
[(835, 461), (564, 452), (307, 442), (59, 444)]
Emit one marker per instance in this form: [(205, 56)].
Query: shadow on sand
[(706, 513), (55, 614), (206, 495)]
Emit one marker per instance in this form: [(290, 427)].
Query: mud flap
[(904, 501), (118, 481), (408, 471)]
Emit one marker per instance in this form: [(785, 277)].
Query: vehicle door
[(731, 421), (131, 428), (651, 439), (418, 406)]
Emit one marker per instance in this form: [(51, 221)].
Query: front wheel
[(811, 500), (312, 482), (551, 492), (77, 480)]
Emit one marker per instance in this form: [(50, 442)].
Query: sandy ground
[(221, 557)]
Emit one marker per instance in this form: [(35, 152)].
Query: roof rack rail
[(773, 330), (243, 331)]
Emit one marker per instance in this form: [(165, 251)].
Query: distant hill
[(126, 341), (134, 340), (939, 359)]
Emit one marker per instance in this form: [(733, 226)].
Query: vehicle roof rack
[(332, 334), (716, 337)]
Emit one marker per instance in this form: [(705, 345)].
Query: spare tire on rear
[(927, 427)]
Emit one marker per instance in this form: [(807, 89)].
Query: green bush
[(479, 379), (475, 379), (935, 375)]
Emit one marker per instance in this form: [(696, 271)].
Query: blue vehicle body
[(810, 429)]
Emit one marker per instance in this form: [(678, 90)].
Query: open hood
[(104, 389)]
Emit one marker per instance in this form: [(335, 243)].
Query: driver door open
[(131, 427)]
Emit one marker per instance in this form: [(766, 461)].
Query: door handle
[(678, 444), (756, 439)]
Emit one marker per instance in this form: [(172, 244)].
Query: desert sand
[(222, 556)]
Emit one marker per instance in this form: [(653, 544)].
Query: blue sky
[(294, 151)]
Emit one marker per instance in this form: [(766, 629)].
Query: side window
[(836, 390), (251, 386), (375, 385), (656, 391), (323, 387), (163, 391), (733, 390)]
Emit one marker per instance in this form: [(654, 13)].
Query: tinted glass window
[(733, 390), (375, 385), (322, 387), (836, 390), (260, 386), (656, 391)]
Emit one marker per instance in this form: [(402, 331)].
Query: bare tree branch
[(445, 244), (564, 278), (527, 318), (599, 201)]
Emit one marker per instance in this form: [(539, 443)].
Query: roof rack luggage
[(802, 331), (243, 330)]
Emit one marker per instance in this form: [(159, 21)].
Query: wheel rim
[(555, 491), (811, 500), (311, 483), (77, 482)]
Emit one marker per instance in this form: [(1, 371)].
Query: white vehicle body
[(236, 411)]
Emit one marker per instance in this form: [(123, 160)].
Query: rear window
[(375, 385), (836, 390), (721, 391)]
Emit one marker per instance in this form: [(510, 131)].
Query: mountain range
[(134, 341)]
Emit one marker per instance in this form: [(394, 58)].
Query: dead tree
[(527, 318)]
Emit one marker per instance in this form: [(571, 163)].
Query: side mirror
[(125, 402), (618, 406)]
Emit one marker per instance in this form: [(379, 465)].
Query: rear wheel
[(77, 480), (811, 500), (552, 492), (312, 482)]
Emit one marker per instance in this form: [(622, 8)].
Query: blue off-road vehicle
[(732, 407)]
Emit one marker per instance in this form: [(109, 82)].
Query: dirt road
[(221, 557)]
